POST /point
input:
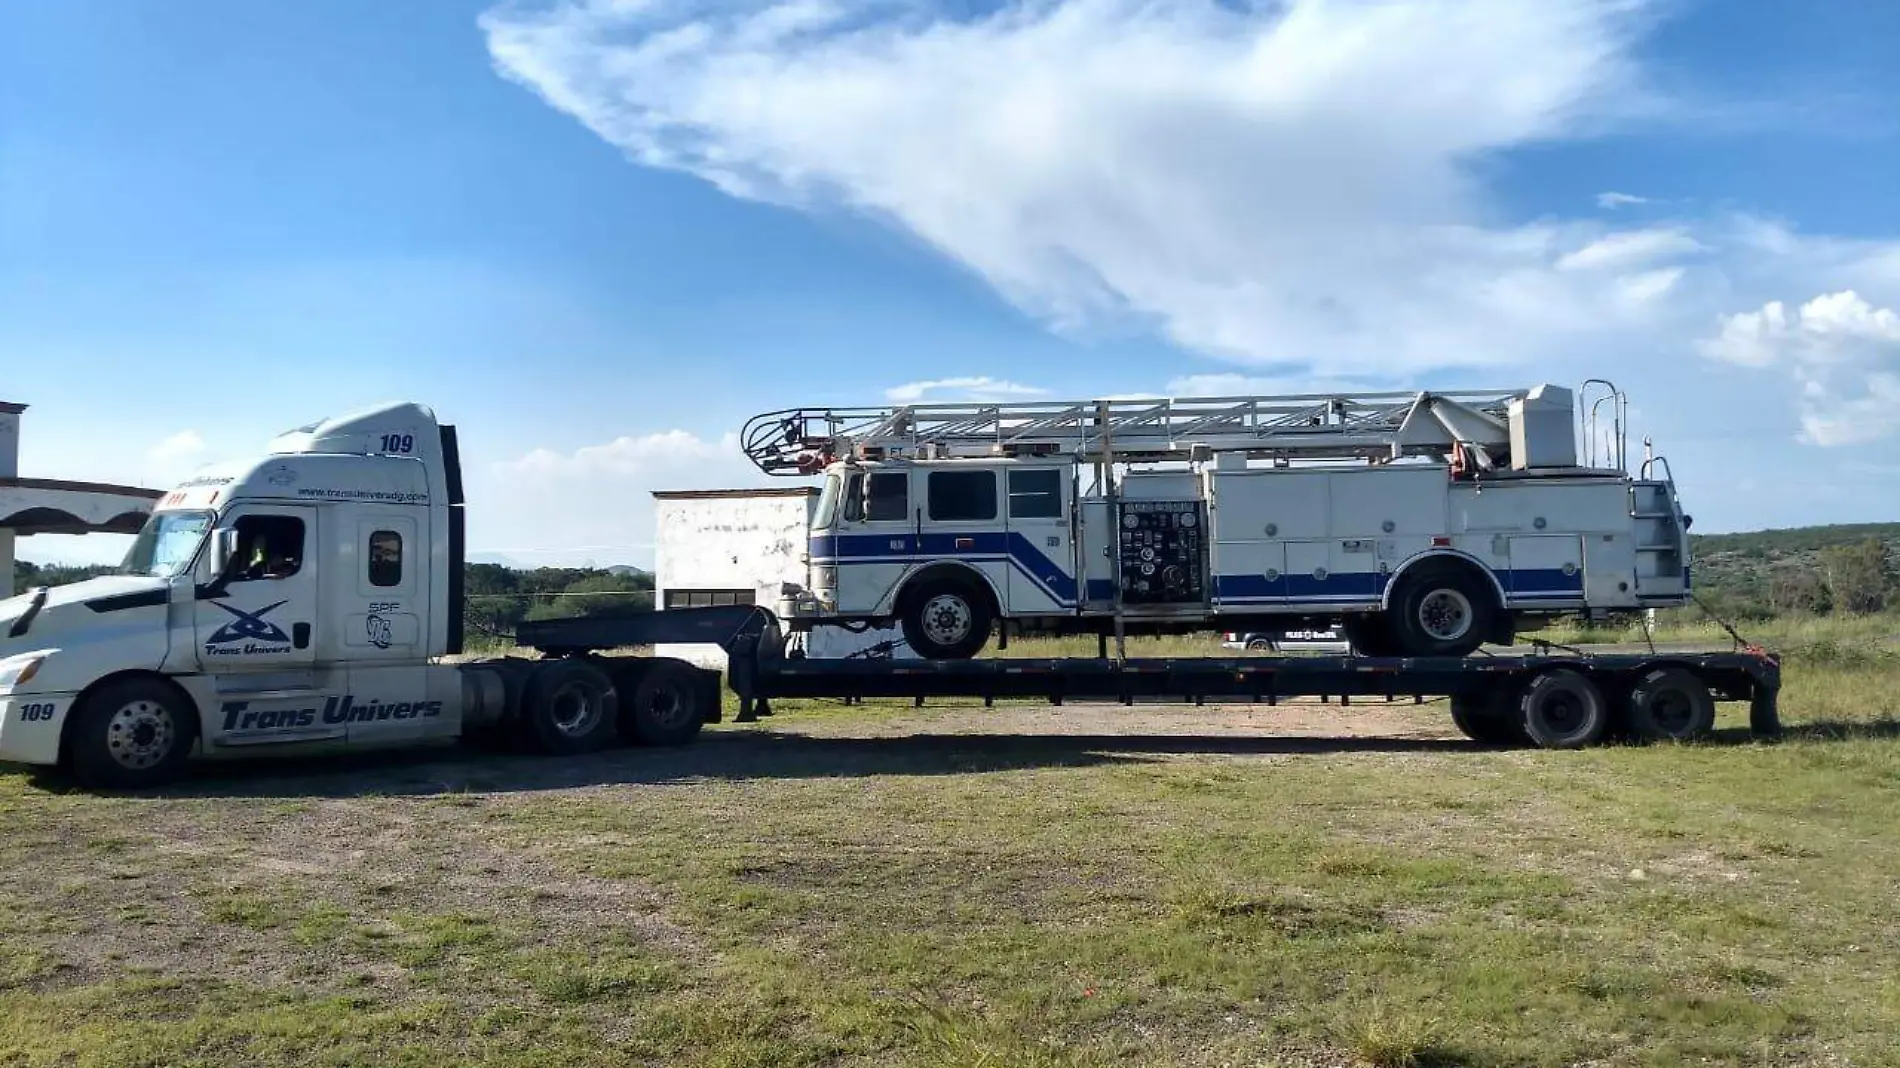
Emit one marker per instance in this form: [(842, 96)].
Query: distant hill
[(1773, 544), (1769, 572)]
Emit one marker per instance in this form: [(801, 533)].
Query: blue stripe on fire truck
[(1520, 586)]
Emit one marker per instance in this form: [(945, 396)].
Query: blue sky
[(598, 236)]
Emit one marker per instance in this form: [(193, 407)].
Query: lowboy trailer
[(1559, 699)]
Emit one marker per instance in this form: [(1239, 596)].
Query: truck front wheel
[(131, 735), (946, 619)]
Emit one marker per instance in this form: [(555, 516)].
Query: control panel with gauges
[(1163, 550)]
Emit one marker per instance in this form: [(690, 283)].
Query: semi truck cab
[(297, 599)]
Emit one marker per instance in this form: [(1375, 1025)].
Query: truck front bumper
[(801, 603), (30, 727)]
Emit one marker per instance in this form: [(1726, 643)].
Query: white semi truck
[(310, 599), (302, 599), (1430, 523)]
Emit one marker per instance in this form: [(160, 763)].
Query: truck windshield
[(828, 503), (166, 544)]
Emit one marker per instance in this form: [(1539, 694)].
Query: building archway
[(55, 506)]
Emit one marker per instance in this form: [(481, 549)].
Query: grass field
[(967, 887)]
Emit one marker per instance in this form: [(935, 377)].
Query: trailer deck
[(1497, 689)]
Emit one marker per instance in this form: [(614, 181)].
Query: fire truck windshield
[(828, 503)]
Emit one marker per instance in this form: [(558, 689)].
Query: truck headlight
[(19, 669)]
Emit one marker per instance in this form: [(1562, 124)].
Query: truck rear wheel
[(1670, 704), (569, 706), (946, 619), (665, 707), (1441, 609), (132, 734), (1563, 709)]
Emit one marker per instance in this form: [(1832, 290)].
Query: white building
[(49, 506), (722, 547)]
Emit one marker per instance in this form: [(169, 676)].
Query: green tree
[(1798, 589), (1859, 576)]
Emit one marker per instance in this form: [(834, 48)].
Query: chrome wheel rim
[(576, 709), (1445, 615), (141, 734), (947, 619)]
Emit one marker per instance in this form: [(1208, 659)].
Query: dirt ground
[(1306, 720), (150, 874)]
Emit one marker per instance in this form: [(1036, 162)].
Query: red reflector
[(1440, 543), (966, 543)]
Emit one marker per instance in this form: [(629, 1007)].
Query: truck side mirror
[(224, 546)]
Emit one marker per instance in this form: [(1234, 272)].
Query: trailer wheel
[(1441, 609), (568, 706), (132, 734), (1670, 704), (1488, 720), (946, 619), (1563, 709), (666, 706)]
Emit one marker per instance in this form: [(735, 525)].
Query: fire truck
[(1427, 523)]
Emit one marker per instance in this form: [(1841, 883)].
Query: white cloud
[(1841, 353), (1855, 420), (1269, 182), (170, 460), (1846, 317), (1612, 200), (1239, 385), (978, 388), (624, 456), (1629, 249), (594, 504), (183, 445), (1752, 339)]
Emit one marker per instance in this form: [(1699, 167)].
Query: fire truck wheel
[(946, 619), (666, 706), (1563, 709), (131, 735), (1488, 719), (1441, 610), (1670, 704), (568, 706)]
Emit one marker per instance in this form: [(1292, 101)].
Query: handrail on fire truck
[(1370, 426)]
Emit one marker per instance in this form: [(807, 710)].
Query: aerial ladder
[(1476, 431)]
